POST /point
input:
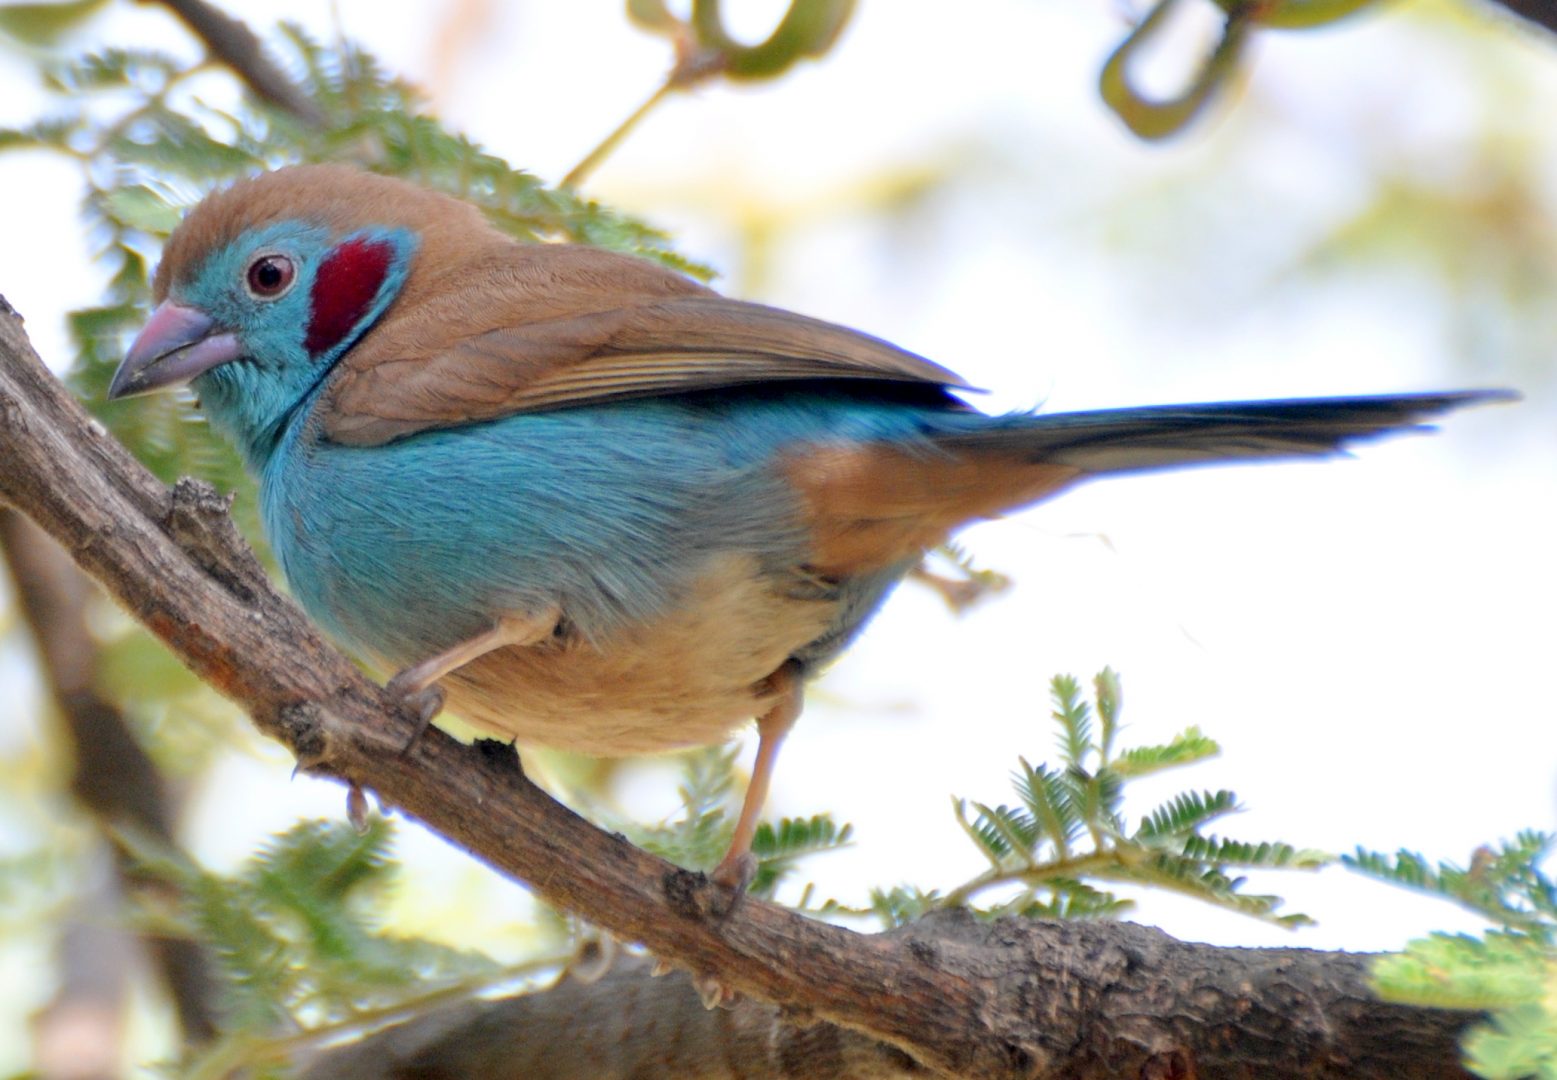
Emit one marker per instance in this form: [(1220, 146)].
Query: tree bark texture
[(961, 998)]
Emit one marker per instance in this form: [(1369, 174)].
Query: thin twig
[(592, 160), (234, 44)]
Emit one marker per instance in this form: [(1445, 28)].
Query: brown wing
[(514, 328)]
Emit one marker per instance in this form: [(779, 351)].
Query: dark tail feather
[(1155, 437)]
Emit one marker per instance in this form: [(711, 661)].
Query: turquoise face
[(289, 342)]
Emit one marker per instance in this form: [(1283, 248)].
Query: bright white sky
[(1372, 640)]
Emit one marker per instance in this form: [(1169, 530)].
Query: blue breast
[(607, 511)]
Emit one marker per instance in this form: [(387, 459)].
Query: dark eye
[(270, 276)]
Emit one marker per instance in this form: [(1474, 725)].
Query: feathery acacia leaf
[(1184, 814), (1039, 847), (1074, 716), (1185, 749)]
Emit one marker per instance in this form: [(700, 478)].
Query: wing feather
[(521, 328)]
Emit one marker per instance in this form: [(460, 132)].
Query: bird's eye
[(270, 276)]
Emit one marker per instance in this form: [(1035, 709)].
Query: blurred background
[(1370, 640)]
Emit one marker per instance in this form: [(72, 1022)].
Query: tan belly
[(686, 680)]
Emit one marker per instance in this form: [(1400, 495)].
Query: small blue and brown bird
[(598, 505)]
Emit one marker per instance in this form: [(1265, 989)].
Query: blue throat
[(255, 400)]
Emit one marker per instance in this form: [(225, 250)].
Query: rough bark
[(1013, 999)]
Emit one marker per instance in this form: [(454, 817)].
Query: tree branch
[(232, 43), (616, 1026), (1542, 13), (113, 777), (1013, 999)]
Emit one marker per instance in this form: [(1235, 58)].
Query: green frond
[(259, 974), (1520, 1042), (1184, 814), (1458, 971), (1063, 898), (1004, 830), (1050, 800), (326, 858), (778, 848), (1108, 692), (700, 832), (294, 931), (54, 133), (1222, 852), (1069, 832), (1211, 885), (163, 140), (798, 836), (1505, 884), (43, 25), (111, 69), (902, 904), (1097, 797), (1184, 749), (1074, 716)]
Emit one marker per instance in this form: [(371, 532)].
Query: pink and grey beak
[(177, 344)]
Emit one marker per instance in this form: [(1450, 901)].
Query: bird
[(586, 501)]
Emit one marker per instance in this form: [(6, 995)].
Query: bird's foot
[(714, 993), (357, 809), (735, 871), (730, 879), (422, 701), (592, 959)]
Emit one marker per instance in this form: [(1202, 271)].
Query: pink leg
[(738, 865), (506, 631), (415, 686)]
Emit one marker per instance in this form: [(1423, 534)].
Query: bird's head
[(265, 285)]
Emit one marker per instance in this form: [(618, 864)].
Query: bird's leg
[(415, 686), (738, 865)]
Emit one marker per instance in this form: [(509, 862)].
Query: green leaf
[(1049, 799), (808, 29), (1520, 1042), (902, 904), (111, 69), (1183, 814), (138, 207), (1185, 749), (45, 24), (50, 134), (1457, 971), (1505, 884), (1065, 898), (1222, 853), (1075, 719), (1005, 830), (1109, 694), (653, 16), (778, 848)]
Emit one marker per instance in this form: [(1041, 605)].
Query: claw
[(714, 994), (357, 809), (593, 959), (736, 871), (426, 703)]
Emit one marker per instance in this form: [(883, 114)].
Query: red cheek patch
[(344, 289)]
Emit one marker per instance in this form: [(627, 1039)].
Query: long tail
[(1165, 436), (872, 505)]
